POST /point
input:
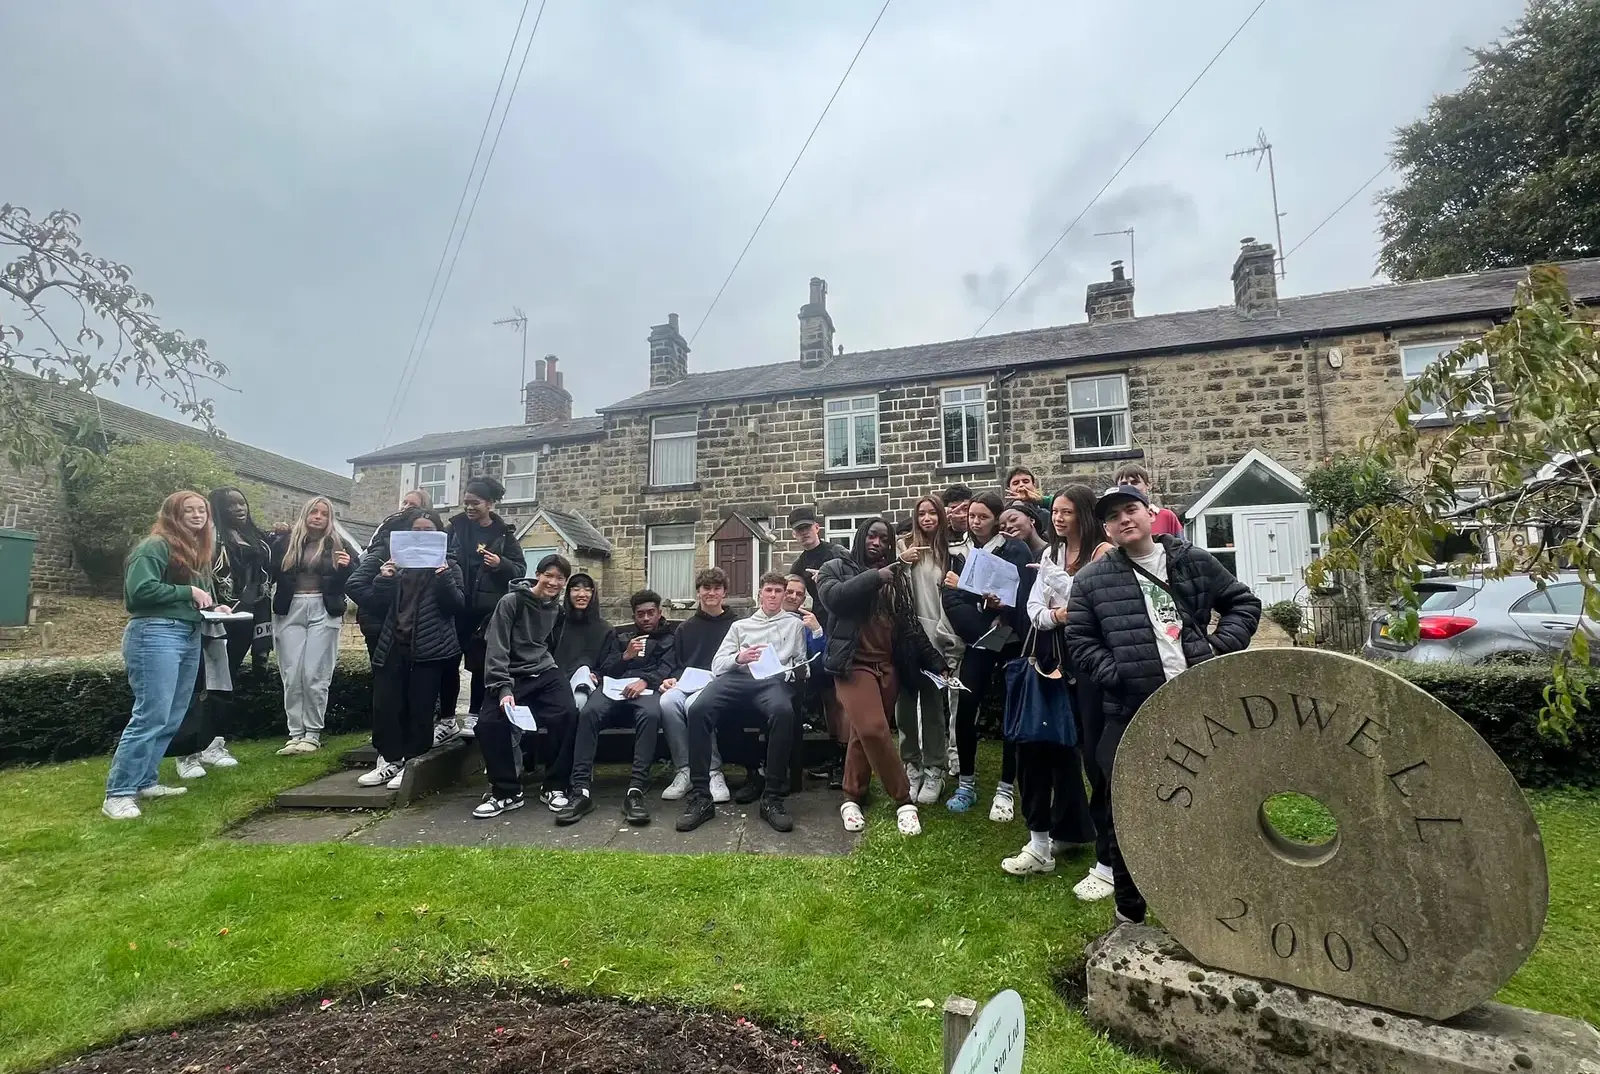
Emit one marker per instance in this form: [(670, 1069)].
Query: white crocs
[(853, 819), (907, 821)]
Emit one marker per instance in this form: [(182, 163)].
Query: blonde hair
[(300, 552)]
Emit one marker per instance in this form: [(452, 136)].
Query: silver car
[(1477, 621)]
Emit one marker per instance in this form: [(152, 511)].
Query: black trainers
[(579, 804), (633, 808), (493, 807), (753, 786), (697, 809), (775, 813), (836, 777)]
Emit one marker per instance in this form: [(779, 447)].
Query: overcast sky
[(281, 174)]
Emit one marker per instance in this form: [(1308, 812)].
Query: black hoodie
[(521, 635), (582, 633), (698, 638)]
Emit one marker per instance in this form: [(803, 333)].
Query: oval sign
[(1427, 898), (994, 1046)]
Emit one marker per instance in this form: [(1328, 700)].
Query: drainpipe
[(1322, 409), (1003, 461)]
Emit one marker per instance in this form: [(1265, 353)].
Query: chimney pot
[(1116, 270), (1111, 300), (543, 398)]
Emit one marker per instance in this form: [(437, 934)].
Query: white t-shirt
[(1163, 612)]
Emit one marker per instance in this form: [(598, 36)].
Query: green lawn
[(106, 929)]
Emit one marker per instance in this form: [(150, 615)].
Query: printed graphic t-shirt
[(1163, 612)]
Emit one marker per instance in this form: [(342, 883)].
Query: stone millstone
[(1427, 900)]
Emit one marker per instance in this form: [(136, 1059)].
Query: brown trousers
[(868, 695)]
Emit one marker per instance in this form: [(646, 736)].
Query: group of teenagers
[(878, 643)]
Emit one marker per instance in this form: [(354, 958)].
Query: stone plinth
[(1144, 989), (1428, 899)]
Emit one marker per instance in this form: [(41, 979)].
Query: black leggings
[(1130, 903), (1053, 798), (403, 693), (977, 672)]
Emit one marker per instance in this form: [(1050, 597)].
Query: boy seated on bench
[(643, 654), (743, 698), (519, 668)]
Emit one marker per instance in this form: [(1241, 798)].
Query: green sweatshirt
[(146, 591)]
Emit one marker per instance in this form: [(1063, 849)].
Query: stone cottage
[(1227, 406), (32, 500)]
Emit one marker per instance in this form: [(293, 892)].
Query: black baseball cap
[(1113, 498), (801, 516)]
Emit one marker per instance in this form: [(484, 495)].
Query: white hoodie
[(782, 632)]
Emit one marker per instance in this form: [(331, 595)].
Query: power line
[(1159, 123), (415, 363), (740, 259), (1341, 207)]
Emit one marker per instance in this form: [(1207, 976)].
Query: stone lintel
[(1145, 991)]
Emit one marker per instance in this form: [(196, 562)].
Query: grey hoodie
[(522, 634)]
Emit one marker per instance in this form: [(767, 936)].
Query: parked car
[(1478, 621)]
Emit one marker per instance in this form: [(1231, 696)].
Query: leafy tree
[(76, 320), (1523, 427), (1507, 171), (111, 502)]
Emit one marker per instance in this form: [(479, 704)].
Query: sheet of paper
[(522, 718), (226, 617), (582, 679), (768, 665), (418, 548), (941, 681), (693, 680), (985, 572), (613, 687)]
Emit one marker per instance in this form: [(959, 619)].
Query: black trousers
[(550, 698), (1051, 787), (643, 714), (1086, 707), (1130, 903), (730, 707), (978, 667), (473, 650), (403, 693)]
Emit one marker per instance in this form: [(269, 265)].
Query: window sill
[(650, 490), (1445, 421), (866, 473), (967, 469), (1103, 455)]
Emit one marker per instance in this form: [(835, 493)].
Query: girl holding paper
[(166, 584), (920, 712), (984, 618), (417, 646), (310, 564), (1053, 802)]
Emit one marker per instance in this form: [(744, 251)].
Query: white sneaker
[(907, 821), (190, 767), (719, 789), (555, 800), (217, 756), (444, 731), (469, 727), (678, 787), (161, 790), (399, 777), (122, 807), (1004, 807), (382, 772), (914, 778), (1027, 862), (932, 787)]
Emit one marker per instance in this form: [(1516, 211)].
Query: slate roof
[(573, 526), (124, 423), (496, 438), (1384, 305)]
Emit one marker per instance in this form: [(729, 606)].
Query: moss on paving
[(107, 929)]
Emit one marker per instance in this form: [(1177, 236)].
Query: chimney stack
[(1111, 300), (1255, 279), (545, 398), (816, 327), (669, 354)]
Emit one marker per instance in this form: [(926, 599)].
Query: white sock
[(969, 781), (1039, 843), (1103, 871)]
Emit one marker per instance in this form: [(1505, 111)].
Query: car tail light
[(1440, 627)]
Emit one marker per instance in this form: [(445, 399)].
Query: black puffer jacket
[(371, 621), (1109, 636), (484, 586), (849, 591), (433, 633)]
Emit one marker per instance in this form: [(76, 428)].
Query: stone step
[(442, 767)]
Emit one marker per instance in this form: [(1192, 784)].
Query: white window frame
[(1442, 348), (532, 556), (653, 574), (1488, 550), (532, 477), (845, 530), (760, 555), (449, 484), (656, 437), (1074, 413), (851, 413), (962, 398)]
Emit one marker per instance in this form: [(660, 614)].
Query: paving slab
[(298, 826)]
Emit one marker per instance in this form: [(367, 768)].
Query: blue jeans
[(163, 658)]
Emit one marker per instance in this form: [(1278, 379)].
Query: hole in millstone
[(1298, 828)]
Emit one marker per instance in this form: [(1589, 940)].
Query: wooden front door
[(733, 558)]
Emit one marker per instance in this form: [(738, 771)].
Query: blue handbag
[(1038, 703)]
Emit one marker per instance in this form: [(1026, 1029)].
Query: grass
[(109, 929)]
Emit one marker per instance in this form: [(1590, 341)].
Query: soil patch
[(459, 1031)]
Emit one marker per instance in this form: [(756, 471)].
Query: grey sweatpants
[(920, 714), (307, 640), (675, 705)]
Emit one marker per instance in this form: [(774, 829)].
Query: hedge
[(56, 712)]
